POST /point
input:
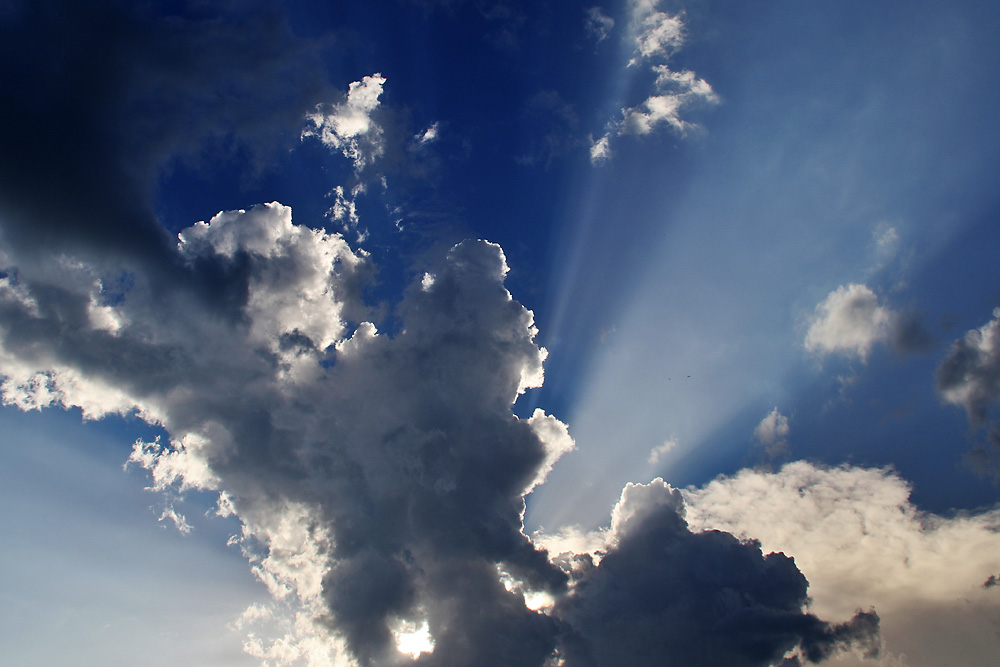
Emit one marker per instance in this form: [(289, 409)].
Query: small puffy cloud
[(886, 242), (849, 321), (861, 542), (772, 432), (598, 24), (348, 127), (655, 37), (772, 429), (428, 135), (345, 210), (176, 519), (600, 149)]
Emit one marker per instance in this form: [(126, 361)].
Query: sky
[(486, 332)]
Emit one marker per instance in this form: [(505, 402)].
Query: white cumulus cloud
[(860, 541), (348, 126)]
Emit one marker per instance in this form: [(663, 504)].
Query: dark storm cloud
[(665, 595), (97, 96)]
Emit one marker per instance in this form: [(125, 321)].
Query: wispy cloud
[(598, 24), (852, 320), (660, 451)]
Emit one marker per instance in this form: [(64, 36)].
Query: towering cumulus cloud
[(383, 478), (380, 480)]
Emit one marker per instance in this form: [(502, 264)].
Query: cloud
[(372, 473), (598, 24), (861, 542), (676, 90), (849, 321), (345, 210), (380, 480), (970, 375), (656, 34), (125, 93), (660, 590), (655, 37), (660, 451), (428, 135), (600, 150), (886, 242), (348, 127), (772, 432)]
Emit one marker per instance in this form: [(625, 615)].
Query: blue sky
[(753, 247)]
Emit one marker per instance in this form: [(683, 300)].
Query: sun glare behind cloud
[(414, 639)]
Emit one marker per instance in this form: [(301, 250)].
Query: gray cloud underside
[(970, 375)]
